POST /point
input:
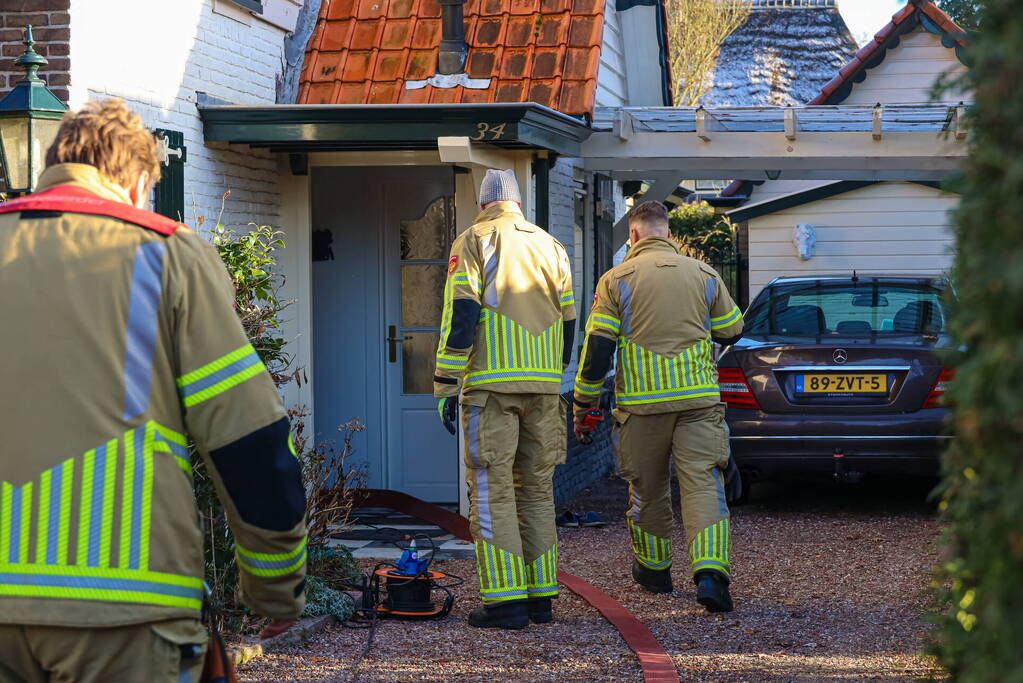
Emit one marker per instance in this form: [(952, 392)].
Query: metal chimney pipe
[(453, 48)]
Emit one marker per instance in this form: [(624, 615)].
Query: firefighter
[(506, 339), (662, 311), (121, 344)]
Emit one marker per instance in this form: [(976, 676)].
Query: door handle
[(393, 340)]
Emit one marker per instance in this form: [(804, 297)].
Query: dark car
[(841, 375)]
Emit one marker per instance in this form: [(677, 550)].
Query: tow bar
[(841, 475)]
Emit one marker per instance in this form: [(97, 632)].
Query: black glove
[(447, 408), (733, 481)]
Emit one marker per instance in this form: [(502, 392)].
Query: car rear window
[(871, 311)]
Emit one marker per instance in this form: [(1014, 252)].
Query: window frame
[(251, 5)]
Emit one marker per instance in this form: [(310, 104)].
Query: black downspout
[(542, 174), (453, 48)]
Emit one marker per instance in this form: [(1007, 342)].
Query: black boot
[(512, 615), (654, 580), (541, 611), (712, 591)]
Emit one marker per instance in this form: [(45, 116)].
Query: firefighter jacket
[(120, 342), (508, 308), (661, 310)]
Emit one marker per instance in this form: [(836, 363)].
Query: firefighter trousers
[(696, 442), (141, 652), (512, 442)]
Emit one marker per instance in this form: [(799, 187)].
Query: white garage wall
[(889, 228)]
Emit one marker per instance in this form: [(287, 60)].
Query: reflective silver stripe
[(143, 307), (719, 487), (472, 445), (710, 292), (625, 304), (490, 271)]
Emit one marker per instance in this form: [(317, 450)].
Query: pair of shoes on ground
[(572, 520), (711, 586), (513, 615)]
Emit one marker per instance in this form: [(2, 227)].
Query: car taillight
[(735, 389), (934, 399)]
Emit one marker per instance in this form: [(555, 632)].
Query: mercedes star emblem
[(841, 356)]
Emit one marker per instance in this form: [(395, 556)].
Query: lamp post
[(29, 118)]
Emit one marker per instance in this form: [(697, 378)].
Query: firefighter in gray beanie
[(499, 186), (506, 339)]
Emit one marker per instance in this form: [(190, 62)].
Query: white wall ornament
[(805, 238)]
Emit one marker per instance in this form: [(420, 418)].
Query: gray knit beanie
[(499, 186)]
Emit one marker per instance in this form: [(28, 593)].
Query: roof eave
[(315, 127), (914, 14), (796, 199)]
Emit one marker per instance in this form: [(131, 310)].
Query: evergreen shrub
[(980, 581)]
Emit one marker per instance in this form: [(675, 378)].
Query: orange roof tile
[(543, 51)]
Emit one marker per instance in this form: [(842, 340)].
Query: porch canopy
[(660, 145), (304, 128), (667, 145)]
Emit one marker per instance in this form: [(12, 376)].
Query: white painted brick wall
[(156, 56), (562, 227)]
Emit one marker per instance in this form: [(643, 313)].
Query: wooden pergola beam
[(814, 155)]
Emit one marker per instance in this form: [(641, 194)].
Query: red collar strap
[(72, 199)]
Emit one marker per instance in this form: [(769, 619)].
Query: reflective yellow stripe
[(218, 364), (127, 478), (43, 527), (26, 518), (108, 585), (6, 519), (649, 377), (224, 385), (651, 551), (109, 501), (65, 511), (502, 575), (446, 313), (147, 496), (711, 547), (726, 320), (85, 510), (220, 375), (271, 564)]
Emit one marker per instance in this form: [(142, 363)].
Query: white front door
[(377, 309)]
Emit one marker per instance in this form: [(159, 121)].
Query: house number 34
[(488, 131)]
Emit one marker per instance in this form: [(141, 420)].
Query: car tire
[(747, 485)]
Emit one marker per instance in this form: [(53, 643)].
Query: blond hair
[(110, 136)]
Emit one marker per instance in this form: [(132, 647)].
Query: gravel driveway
[(831, 583)]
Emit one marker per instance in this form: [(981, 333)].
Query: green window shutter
[(253, 5), (170, 191)]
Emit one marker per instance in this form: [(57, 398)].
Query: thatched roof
[(784, 53)]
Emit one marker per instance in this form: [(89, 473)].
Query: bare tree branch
[(696, 29)]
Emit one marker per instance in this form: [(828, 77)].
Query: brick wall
[(50, 22), (585, 463)]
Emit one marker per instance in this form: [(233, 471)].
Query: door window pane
[(417, 358), (422, 294), (429, 237)]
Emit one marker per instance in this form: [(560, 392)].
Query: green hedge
[(981, 634)]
